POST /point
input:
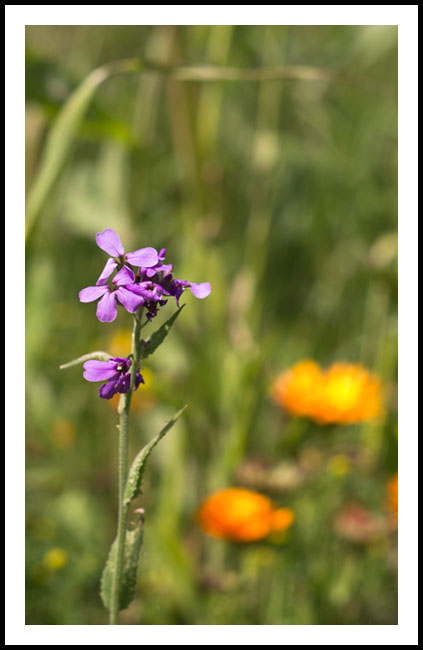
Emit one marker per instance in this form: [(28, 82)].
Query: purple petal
[(109, 241), (130, 300), (124, 362), (138, 288), (100, 370), (139, 379), (106, 308), (124, 276), (165, 268), (106, 391), (92, 293), (178, 293), (201, 290), (107, 271), (124, 383), (143, 257)]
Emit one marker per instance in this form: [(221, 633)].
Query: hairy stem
[(123, 411)]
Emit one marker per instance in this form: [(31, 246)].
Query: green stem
[(123, 410)]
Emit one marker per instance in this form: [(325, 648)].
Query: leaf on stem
[(158, 337), (133, 538), (99, 355), (133, 543), (136, 472)]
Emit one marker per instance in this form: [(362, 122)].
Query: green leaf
[(133, 543), (63, 133), (136, 472), (158, 337), (98, 354), (133, 539)]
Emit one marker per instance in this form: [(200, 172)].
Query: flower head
[(142, 279), (120, 291), (343, 394), (241, 515), (116, 372)]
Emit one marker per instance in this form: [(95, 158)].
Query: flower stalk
[(138, 281), (123, 509)]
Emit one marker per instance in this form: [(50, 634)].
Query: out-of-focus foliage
[(283, 195)]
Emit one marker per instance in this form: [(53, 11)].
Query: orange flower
[(350, 394), (240, 515), (299, 388), (343, 394)]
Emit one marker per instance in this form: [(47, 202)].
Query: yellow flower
[(345, 393), (55, 559), (350, 394), (240, 515)]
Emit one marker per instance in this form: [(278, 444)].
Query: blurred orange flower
[(298, 388), (343, 394), (240, 515)]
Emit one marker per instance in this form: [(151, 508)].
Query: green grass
[(282, 194)]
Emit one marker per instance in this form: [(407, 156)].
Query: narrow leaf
[(136, 472), (158, 337), (63, 133), (98, 355), (133, 543)]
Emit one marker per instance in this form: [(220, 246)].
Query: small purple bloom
[(116, 372), (109, 241), (174, 287), (148, 272), (163, 281), (106, 308)]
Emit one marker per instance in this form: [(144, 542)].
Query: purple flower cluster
[(141, 280), (116, 372)]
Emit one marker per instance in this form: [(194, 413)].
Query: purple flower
[(162, 281), (199, 289), (171, 286), (117, 373), (106, 308), (150, 287), (148, 272), (109, 241)]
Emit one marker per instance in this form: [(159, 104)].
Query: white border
[(17, 16)]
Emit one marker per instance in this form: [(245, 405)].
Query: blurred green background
[(283, 195)]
